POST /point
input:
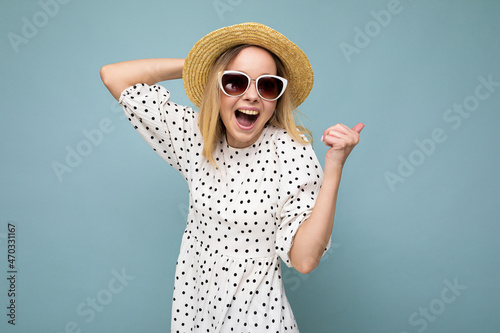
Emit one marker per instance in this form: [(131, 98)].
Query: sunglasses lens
[(270, 87), (234, 84)]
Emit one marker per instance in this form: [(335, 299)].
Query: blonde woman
[(257, 193)]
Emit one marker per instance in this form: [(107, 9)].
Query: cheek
[(226, 107), (269, 108), (226, 103)]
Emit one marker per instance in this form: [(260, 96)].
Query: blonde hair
[(210, 123)]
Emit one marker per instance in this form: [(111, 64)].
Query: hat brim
[(207, 50)]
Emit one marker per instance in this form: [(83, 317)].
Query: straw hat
[(205, 52)]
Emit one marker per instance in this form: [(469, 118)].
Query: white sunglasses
[(269, 87)]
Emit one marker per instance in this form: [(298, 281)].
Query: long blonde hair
[(210, 123)]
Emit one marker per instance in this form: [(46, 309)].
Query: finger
[(337, 134), (358, 127), (334, 142), (340, 130), (338, 127), (330, 141)]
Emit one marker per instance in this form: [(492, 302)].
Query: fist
[(341, 140)]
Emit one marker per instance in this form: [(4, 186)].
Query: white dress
[(242, 217)]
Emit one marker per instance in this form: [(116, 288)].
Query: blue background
[(416, 241)]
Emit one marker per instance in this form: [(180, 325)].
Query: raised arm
[(312, 237), (117, 77)]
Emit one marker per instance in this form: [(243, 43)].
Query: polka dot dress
[(242, 217)]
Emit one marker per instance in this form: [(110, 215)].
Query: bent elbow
[(110, 80), (104, 73), (307, 266)]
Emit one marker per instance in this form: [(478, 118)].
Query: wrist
[(331, 177), (333, 167)]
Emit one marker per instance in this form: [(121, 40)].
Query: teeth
[(250, 112)]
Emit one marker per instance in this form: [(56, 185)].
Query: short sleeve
[(170, 129), (301, 175)]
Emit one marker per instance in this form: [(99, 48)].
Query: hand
[(341, 140)]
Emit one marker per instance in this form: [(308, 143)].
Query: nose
[(251, 93)]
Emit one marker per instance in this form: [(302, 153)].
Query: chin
[(239, 139)]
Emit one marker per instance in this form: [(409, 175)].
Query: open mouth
[(246, 118)]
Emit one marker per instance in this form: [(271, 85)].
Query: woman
[(256, 190)]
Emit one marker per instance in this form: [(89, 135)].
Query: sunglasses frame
[(282, 79)]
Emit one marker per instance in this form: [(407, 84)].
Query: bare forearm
[(117, 77), (313, 235)]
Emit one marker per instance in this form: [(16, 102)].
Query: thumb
[(358, 127)]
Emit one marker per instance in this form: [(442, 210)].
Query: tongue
[(245, 119)]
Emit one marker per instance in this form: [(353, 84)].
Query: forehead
[(253, 60)]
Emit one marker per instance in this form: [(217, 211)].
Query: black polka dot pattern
[(242, 217)]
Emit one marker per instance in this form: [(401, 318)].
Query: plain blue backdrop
[(99, 216)]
